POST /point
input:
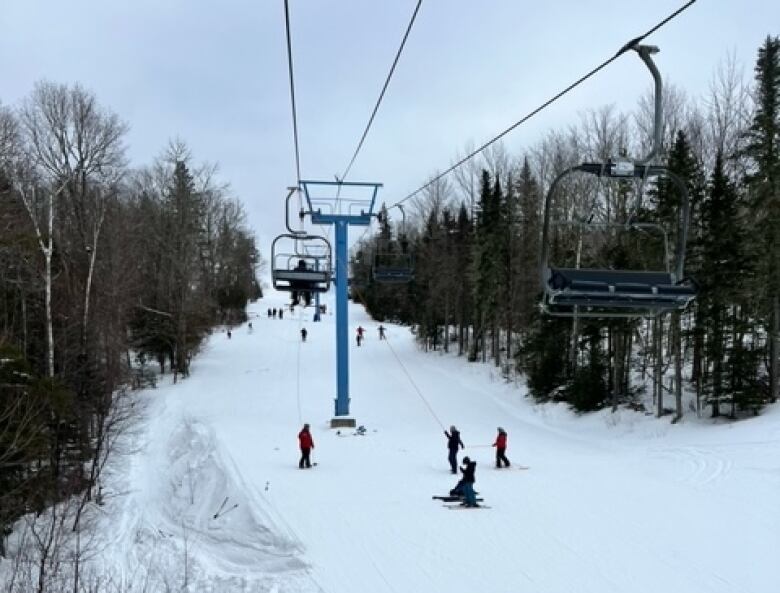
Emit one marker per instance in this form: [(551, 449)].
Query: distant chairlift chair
[(394, 265)]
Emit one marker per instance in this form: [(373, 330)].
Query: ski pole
[(222, 506)]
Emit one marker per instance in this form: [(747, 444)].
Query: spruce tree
[(723, 275), (764, 183)]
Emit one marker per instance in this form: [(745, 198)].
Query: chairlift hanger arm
[(291, 191), (645, 51)]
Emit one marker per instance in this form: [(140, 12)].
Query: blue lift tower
[(341, 203)]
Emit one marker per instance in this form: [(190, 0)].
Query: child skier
[(468, 470), (500, 446), (306, 443), (453, 442)]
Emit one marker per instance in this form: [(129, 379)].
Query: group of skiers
[(360, 334), (274, 312), (463, 489)]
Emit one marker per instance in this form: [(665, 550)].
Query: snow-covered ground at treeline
[(617, 502)]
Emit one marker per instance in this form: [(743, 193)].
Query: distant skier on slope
[(304, 333), (359, 336), (306, 443), (453, 442), (468, 470), (381, 329), (500, 446)]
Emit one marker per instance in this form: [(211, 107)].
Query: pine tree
[(764, 183), (529, 196), (723, 272)]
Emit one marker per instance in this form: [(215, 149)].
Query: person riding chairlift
[(299, 285)]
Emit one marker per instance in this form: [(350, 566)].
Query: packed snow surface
[(617, 502)]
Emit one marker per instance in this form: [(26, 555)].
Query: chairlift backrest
[(393, 266)]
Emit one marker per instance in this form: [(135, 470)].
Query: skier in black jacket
[(468, 470), (453, 442)]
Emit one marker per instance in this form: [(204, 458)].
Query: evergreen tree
[(764, 183), (529, 196), (723, 271)]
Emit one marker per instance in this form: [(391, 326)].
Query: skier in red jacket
[(307, 444), (500, 446)]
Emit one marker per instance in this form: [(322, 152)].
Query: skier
[(359, 336), (453, 441), (307, 444), (229, 335), (269, 312), (382, 332), (250, 327), (303, 334), (281, 313), (468, 470), (274, 312), (500, 446)]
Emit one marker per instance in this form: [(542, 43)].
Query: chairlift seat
[(305, 280), (617, 289), (390, 275)]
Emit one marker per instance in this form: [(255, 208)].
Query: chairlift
[(394, 264), (301, 262), (619, 293), (392, 268)]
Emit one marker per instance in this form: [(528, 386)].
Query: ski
[(522, 467), (452, 498), (457, 507)]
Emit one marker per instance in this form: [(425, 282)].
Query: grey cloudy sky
[(215, 74)]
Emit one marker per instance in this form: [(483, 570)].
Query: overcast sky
[(214, 73)]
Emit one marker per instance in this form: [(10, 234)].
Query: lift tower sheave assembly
[(342, 204)]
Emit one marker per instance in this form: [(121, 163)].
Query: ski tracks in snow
[(192, 522), (697, 466)]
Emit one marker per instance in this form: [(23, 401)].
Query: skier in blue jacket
[(468, 470)]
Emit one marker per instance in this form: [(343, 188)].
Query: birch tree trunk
[(46, 245), (677, 345)]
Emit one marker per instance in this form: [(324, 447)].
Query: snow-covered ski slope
[(611, 503)]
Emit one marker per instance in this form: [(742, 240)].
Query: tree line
[(475, 243), (104, 268)]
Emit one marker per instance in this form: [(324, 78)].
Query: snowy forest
[(473, 238), (104, 270)]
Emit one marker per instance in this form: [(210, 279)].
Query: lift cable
[(292, 94), (382, 93), (629, 45)]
